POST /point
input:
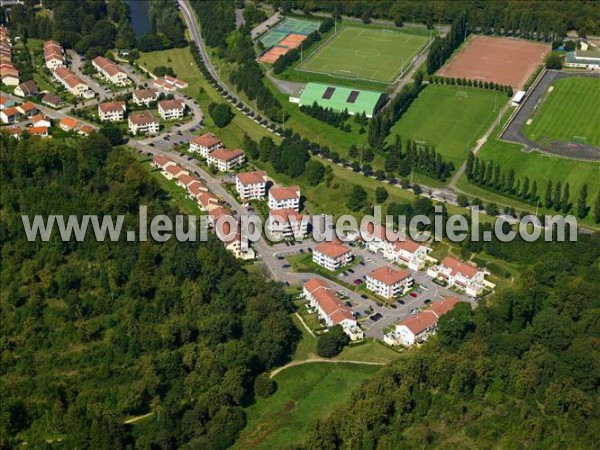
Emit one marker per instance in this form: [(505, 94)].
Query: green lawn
[(304, 394), (537, 166), (571, 109), (368, 54), (442, 117)]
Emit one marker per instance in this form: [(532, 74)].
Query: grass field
[(304, 394), (571, 109), (537, 166), (368, 54), (442, 117)]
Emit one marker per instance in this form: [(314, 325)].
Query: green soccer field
[(569, 113), (450, 118), (367, 54)]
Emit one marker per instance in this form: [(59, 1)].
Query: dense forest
[(545, 18), (521, 370), (96, 332)]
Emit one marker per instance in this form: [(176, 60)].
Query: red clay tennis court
[(292, 41), (273, 55), (501, 60)]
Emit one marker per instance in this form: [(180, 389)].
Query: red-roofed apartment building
[(205, 144), (284, 198), (144, 123), (332, 255), (251, 185), (112, 111), (225, 160), (286, 223), (110, 71), (53, 55), (330, 308), (144, 96), (394, 246), (171, 109), (460, 274), (417, 328), (72, 83), (388, 282)]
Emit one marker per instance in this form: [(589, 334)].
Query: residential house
[(388, 282), (195, 190), (28, 109), (27, 89), (13, 131), (9, 74), (233, 240), (112, 111), (460, 274), (330, 308), (144, 123), (85, 130), (225, 160), (184, 180), (52, 100), (145, 97), (332, 255), (6, 102), (41, 121), (10, 115), (216, 213), (68, 124), (251, 185), (417, 328), (162, 84), (284, 198), (110, 71), (208, 202), (72, 83), (172, 172), (205, 144), (161, 162), (54, 56), (175, 83), (171, 109), (38, 131), (287, 223)]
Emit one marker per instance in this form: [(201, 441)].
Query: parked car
[(351, 270), (358, 282), (285, 266), (357, 314), (280, 257), (302, 250), (427, 301), (400, 302), (413, 294), (376, 317), (364, 296), (348, 304), (362, 263), (393, 306)]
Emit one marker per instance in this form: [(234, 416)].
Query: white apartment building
[(388, 282), (251, 185), (143, 123), (54, 55), (144, 97), (460, 274), (205, 144), (72, 83), (171, 109), (112, 111), (332, 255), (284, 198), (225, 160), (287, 223)]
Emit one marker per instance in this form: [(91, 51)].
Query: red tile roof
[(442, 307), (407, 245), (428, 318), (143, 118), (86, 129), (332, 249), (285, 193), (457, 266), (284, 215), (196, 188), (315, 283), (171, 104), (226, 155), (329, 303), (68, 77), (108, 107), (389, 276), (252, 177), (38, 130), (69, 122), (145, 93), (161, 160), (206, 140), (207, 198), (175, 170), (186, 179)]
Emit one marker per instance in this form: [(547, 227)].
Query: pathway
[(323, 360)]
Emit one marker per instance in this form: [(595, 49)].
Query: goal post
[(462, 93)]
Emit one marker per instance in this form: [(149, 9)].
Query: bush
[(221, 114), (264, 386), (332, 343), (553, 61)]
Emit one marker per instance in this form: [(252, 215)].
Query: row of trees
[(326, 115), (442, 48), (529, 18), (451, 81), (217, 20), (177, 329), (489, 174), (382, 122)]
